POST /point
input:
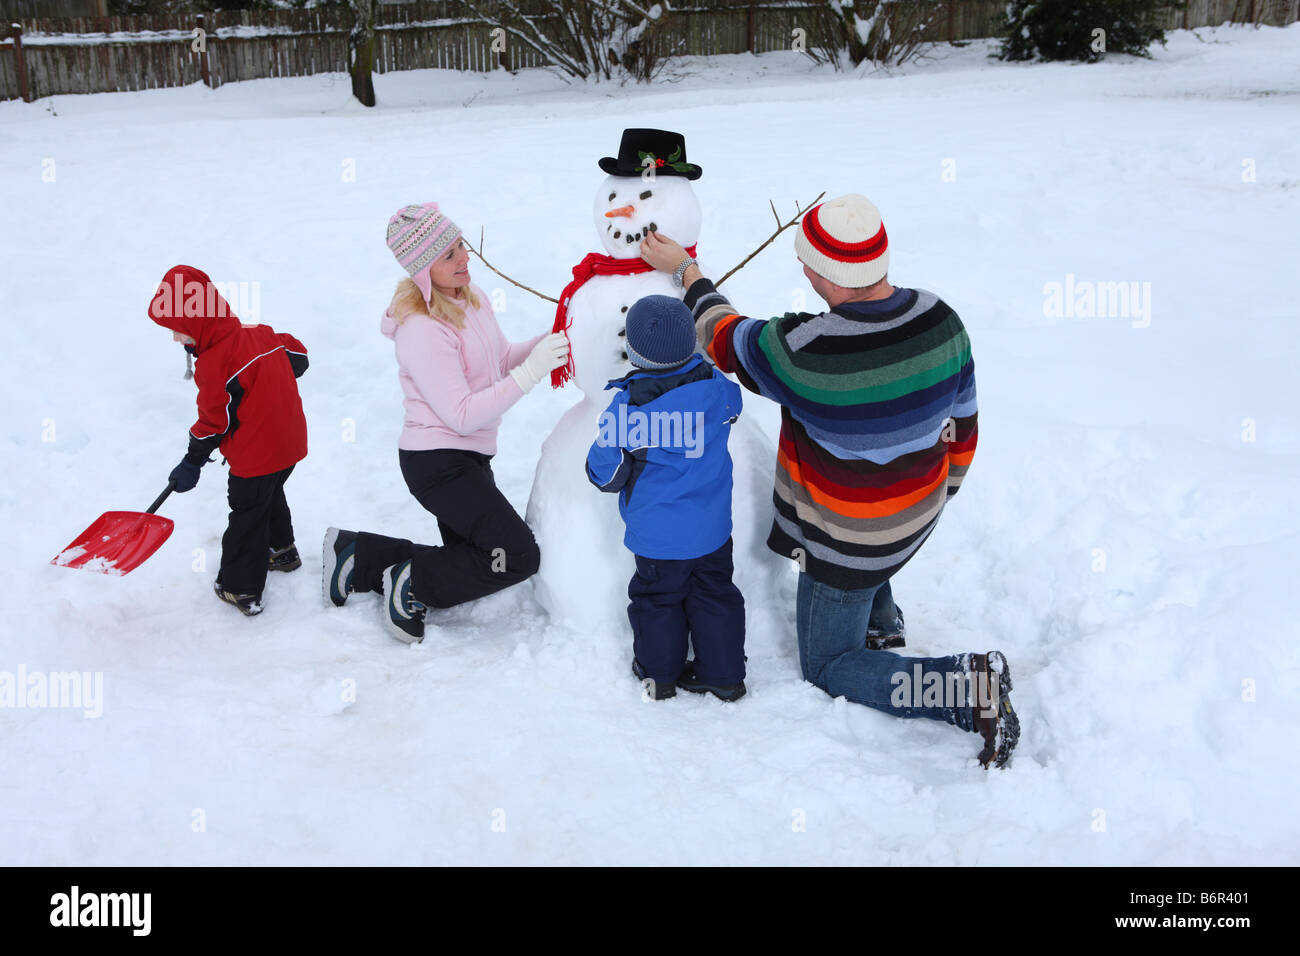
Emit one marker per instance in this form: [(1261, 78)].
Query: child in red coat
[(249, 409)]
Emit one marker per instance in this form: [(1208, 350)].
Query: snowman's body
[(585, 567)]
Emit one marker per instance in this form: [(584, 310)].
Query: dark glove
[(186, 475)]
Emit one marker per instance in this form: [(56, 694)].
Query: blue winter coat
[(663, 448)]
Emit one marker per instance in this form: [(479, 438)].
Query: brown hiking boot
[(994, 718), (284, 559)]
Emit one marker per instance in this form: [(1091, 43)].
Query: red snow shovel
[(118, 542)]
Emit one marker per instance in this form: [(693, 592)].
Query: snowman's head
[(627, 208)]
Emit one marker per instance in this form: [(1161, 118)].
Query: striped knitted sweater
[(878, 423)]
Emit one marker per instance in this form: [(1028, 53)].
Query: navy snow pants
[(692, 599)]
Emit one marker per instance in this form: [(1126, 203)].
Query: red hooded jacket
[(248, 394)]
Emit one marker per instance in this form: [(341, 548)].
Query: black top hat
[(667, 150)]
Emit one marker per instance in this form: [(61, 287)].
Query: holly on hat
[(844, 240), (640, 149)]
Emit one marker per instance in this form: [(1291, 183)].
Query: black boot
[(885, 638), (689, 682), (659, 689)]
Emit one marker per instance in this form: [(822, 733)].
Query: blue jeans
[(832, 628), (884, 615)]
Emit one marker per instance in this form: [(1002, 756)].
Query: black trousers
[(486, 546), (696, 599), (259, 521)]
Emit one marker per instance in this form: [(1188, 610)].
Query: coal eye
[(611, 197), (646, 194)]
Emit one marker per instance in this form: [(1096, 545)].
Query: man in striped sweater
[(878, 428)]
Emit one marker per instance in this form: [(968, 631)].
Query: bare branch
[(479, 252), (780, 229)]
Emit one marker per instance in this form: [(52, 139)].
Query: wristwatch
[(680, 271)]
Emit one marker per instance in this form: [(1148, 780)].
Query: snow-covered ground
[(1127, 534)]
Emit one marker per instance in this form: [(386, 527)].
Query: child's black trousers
[(259, 521)]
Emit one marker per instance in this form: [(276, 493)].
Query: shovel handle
[(171, 486)]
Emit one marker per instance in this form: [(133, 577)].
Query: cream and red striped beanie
[(418, 235), (844, 240)]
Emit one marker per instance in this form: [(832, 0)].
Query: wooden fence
[(25, 9), (101, 54)]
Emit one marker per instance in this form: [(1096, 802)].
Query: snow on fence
[(102, 54)]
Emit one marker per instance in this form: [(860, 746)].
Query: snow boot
[(248, 604), (887, 638), (728, 692), (994, 718), (402, 612), (338, 556), (660, 690), (284, 559)]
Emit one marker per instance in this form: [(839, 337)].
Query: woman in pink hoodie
[(459, 375)]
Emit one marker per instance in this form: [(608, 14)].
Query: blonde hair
[(409, 300)]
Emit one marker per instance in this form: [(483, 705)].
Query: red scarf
[(592, 264)]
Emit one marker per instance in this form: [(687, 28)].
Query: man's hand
[(661, 252)]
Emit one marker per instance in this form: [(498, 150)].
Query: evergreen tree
[(1083, 30)]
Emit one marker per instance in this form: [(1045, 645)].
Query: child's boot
[(728, 692), (248, 604), (660, 690), (284, 559)]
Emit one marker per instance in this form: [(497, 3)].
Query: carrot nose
[(621, 211)]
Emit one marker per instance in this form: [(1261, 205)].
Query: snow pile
[(1124, 534)]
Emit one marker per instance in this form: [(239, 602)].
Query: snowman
[(585, 567)]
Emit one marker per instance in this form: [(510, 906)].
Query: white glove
[(550, 353)]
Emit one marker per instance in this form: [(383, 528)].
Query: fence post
[(203, 55), (749, 27), (20, 64), (952, 23)]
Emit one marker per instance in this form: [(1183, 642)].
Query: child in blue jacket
[(662, 448)]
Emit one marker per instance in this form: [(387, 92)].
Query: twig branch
[(479, 252), (799, 211)]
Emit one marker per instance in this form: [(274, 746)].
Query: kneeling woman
[(459, 375)]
